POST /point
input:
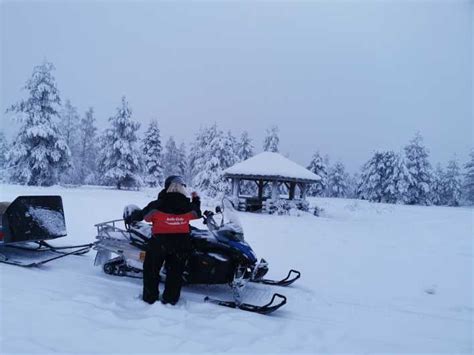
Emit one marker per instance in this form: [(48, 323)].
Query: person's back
[(170, 215)]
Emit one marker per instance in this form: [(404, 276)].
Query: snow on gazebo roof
[(271, 165)]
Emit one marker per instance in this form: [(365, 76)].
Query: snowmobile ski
[(288, 280), (268, 308)]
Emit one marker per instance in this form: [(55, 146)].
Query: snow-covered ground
[(375, 278)]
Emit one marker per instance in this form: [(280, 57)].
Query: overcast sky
[(341, 77)]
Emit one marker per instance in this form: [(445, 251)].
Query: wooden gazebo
[(273, 170)]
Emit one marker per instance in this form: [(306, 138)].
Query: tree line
[(403, 178), (56, 144)]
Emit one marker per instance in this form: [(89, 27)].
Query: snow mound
[(52, 221)]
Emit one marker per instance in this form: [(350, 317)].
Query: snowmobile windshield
[(231, 225), (228, 228)]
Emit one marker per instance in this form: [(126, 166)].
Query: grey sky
[(344, 78)]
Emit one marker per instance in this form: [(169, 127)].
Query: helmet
[(174, 179)]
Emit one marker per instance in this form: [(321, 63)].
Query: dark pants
[(171, 250)]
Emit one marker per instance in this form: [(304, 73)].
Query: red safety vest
[(167, 223)]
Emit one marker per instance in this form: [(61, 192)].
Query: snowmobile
[(219, 255), (25, 226)]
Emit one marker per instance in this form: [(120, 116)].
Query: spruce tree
[(398, 178), (371, 186), (152, 154), (384, 178), (183, 162), (245, 147), (420, 170), (39, 152), (120, 161), (352, 184), (452, 184), (437, 190), (199, 154), (337, 181), (272, 140), (87, 149), (69, 125), (217, 155), (223, 148), (318, 167), (468, 183), (171, 158), (245, 150)]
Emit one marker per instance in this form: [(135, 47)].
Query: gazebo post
[(235, 187), (260, 189), (274, 190), (292, 190), (304, 190)]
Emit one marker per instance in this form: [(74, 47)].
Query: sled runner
[(219, 255), (26, 225)]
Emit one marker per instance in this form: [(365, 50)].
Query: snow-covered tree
[(318, 167), (69, 125), (70, 128), (452, 184), (245, 147), (384, 178), (211, 160), (371, 185), (87, 150), (416, 158), (198, 151), (270, 144), (398, 179), (3, 156), (223, 149), (244, 151), (352, 184), (437, 190), (468, 183), (119, 161), (39, 152), (183, 162), (337, 181), (152, 153), (171, 157)]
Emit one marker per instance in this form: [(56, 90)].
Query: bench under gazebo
[(273, 173)]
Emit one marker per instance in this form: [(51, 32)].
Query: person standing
[(170, 244)]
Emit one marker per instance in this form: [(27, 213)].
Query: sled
[(27, 224)]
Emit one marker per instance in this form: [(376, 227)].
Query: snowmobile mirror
[(218, 209)]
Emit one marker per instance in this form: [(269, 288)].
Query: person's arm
[(148, 210)]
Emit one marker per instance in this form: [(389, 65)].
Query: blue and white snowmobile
[(25, 226), (220, 255)]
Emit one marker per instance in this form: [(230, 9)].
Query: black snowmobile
[(220, 255), (25, 226)]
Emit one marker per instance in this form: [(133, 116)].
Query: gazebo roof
[(271, 166)]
